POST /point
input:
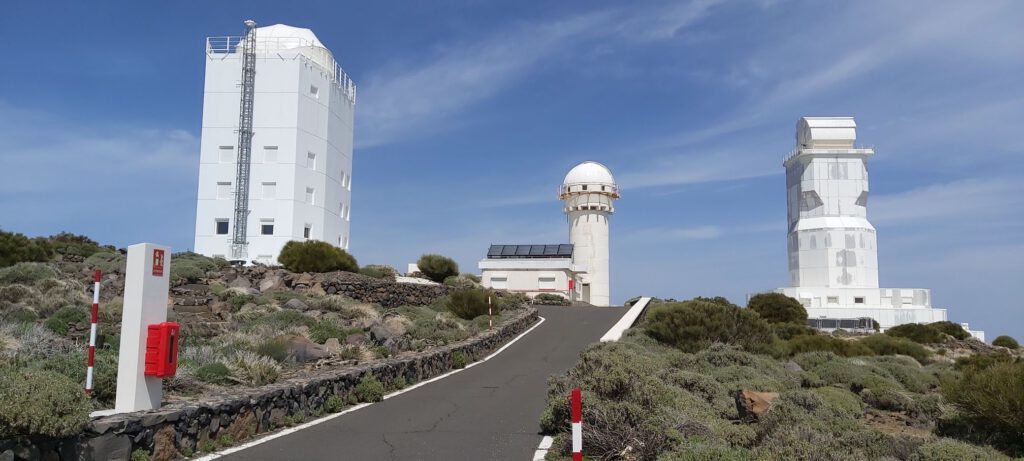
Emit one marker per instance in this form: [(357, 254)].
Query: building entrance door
[(586, 293)]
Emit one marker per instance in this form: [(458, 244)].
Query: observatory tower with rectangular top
[(299, 181)]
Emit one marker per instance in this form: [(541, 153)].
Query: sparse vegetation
[(369, 389), (40, 402), (458, 360), (469, 304), (316, 256), (437, 267), (550, 299), (16, 248), (668, 391)]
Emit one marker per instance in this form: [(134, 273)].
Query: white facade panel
[(288, 123)]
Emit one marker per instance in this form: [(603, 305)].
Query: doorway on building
[(586, 293)]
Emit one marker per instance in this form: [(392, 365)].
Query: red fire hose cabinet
[(162, 349)]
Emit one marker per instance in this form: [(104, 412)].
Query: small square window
[(584, 187), (222, 226), (314, 91), (306, 231), (223, 190), (833, 300), (858, 300), (227, 154), (310, 160), (310, 196), (266, 227), (269, 154)]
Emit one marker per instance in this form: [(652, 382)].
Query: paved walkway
[(487, 412)]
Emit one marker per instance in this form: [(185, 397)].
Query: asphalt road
[(487, 412)]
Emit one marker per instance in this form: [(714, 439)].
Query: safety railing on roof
[(589, 188), (266, 45)]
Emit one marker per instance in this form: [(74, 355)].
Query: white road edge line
[(542, 450), (625, 322), (324, 419)]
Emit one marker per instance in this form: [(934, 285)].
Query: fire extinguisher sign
[(158, 263)]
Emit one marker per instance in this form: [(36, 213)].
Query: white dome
[(589, 173), (287, 36)]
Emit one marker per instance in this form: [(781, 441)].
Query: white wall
[(286, 115)]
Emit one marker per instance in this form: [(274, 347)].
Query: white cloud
[(425, 97)]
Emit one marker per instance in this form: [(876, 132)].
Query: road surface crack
[(391, 448)]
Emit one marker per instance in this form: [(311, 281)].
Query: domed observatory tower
[(589, 192)]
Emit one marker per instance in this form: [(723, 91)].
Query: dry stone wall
[(178, 430)]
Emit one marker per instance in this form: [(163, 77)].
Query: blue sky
[(470, 113)]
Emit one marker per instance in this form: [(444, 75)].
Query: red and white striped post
[(490, 315), (577, 424), (92, 331)]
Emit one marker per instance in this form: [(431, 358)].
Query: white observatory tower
[(589, 192), (292, 175)]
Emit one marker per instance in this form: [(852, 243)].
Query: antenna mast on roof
[(239, 242)]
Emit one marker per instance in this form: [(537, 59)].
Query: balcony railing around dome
[(265, 45), (600, 188), (855, 150)]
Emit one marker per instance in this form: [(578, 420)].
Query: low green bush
[(108, 262), (953, 450), (458, 360), (508, 300), (550, 299), (60, 321), (469, 304), (378, 271), (316, 256), (1006, 341), (326, 329), (461, 282), (778, 308), (983, 361), (992, 399), (66, 243), (693, 325), (214, 373), (786, 331), (26, 273), (437, 267), (918, 333), (950, 328), (802, 344), (369, 389), (333, 404), (70, 366), (40, 403), (273, 348), (253, 369), (888, 345)]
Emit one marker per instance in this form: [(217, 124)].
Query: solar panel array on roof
[(529, 251)]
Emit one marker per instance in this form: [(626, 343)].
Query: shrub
[(369, 389), (778, 308), (437, 267), (461, 282), (26, 273), (473, 277), (40, 402), (992, 398), (950, 328), (273, 348), (333, 404), (107, 261), (918, 333), (952, 450), (378, 271), (316, 256), (253, 369), (140, 455), (509, 301), (550, 299), (65, 316), (16, 248), (458, 360), (791, 330), (215, 373), (983, 361), (66, 243), (888, 345), (469, 304), (801, 344), (1006, 341), (693, 325), (326, 329)]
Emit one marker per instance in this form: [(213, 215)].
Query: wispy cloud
[(1000, 198), (424, 97)]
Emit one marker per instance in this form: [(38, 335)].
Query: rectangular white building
[(300, 184), (532, 270)]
